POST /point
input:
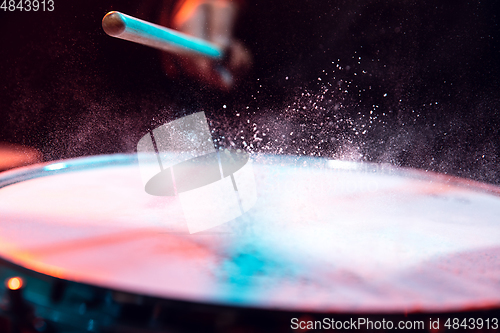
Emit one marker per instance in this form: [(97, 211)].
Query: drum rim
[(56, 167), (152, 299)]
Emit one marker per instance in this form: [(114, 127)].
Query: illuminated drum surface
[(323, 236)]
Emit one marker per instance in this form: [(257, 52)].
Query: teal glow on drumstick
[(126, 27)]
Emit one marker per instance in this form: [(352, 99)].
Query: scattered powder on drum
[(362, 109)]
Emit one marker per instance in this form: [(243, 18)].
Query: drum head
[(323, 236)]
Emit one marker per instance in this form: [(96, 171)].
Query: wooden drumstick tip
[(113, 24)]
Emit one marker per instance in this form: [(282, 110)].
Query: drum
[(325, 238)]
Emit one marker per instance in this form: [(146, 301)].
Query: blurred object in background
[(13, 156), (214, 21)]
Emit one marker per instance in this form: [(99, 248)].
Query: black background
[(404, 82)]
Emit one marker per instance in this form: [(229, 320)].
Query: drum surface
[(323, 236)]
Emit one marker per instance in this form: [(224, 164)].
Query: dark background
[(404, 82)]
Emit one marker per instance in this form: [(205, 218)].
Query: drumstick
[(126, 27)]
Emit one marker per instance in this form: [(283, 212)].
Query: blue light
[(56, 166)]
